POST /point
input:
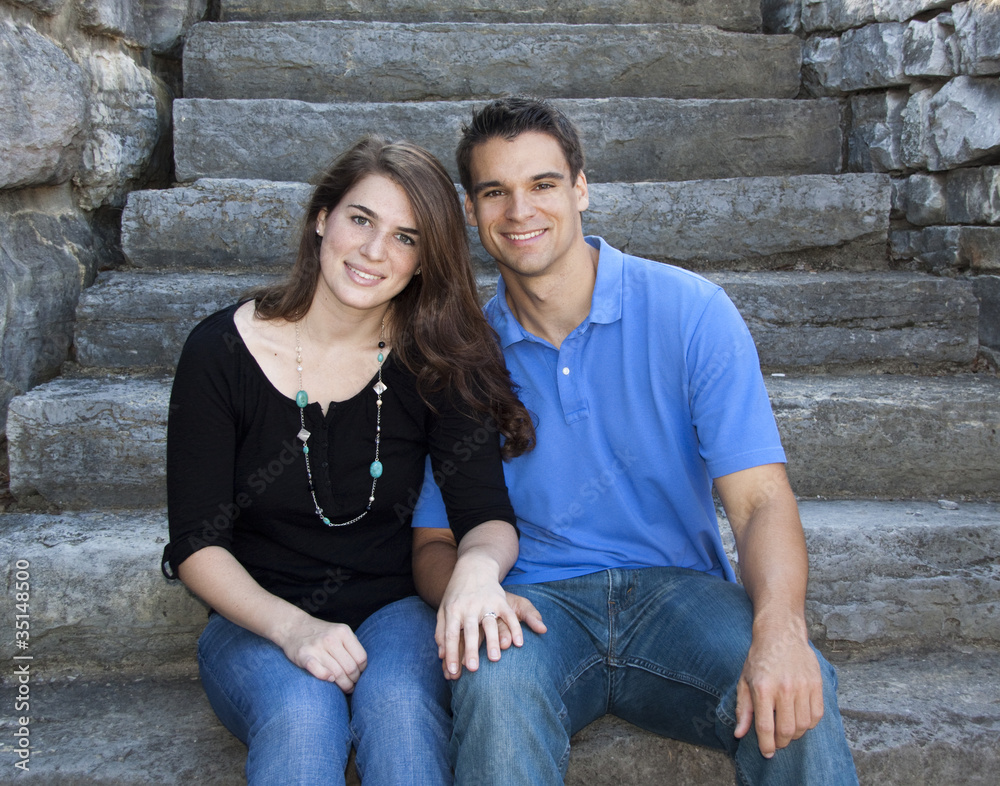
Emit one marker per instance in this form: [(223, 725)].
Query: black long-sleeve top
[(236, 477)]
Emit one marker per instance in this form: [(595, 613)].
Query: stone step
[(141, 320), (324, 62), (806, 222), (887, 321), (626, 139), (909, 718), (883, 575), (727, 14), (81, 443)]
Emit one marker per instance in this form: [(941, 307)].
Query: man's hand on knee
[(780, 690)]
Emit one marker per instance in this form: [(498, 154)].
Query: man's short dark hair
[(510, 117)]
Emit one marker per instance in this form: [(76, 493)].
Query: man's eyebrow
[(372, 214), (535, 178)]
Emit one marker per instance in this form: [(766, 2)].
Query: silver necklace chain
[(302, 400)]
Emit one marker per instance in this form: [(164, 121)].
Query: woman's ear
[(321, 221)]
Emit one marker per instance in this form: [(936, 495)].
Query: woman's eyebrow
[(369, 212)]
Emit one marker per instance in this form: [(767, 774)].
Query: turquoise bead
[(375, 469), (381, 357), (302, 398), (305, 448)]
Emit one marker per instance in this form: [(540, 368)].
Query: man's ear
[(582, 192), (470, 211)]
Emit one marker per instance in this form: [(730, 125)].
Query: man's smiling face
[(525, 204)]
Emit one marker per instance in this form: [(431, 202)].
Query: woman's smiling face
[(369, 251)]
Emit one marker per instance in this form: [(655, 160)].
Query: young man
[(647, 390)]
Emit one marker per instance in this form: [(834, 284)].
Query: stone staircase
[(699, 153)]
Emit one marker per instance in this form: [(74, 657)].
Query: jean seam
[(676, 676), (223, 689)]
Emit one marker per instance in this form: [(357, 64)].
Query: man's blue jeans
[(299, 729), (662, 648)]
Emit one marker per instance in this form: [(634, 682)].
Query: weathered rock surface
[(875, 136), (130, 320), (872, 56), (116, 18), (818, 221), (977, 37), (842, 15), (949, 247), (47, 253), (928, 48), (987, 289), (42, 109), (888, 321), (98, 599), (898, 571), (378, 61), (628, 139), (90, 443), (235, 224), (961, 196), (954, 126), (890, 436), (877, 436), (128, 114), (909, 718), (726, 14)]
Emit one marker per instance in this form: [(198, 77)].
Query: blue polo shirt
[(654, 394)]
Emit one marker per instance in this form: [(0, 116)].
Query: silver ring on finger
[(492, 614)]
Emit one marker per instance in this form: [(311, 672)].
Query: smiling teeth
[(367, 276), (526, 235)]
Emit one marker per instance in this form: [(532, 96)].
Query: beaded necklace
[(302, 399)]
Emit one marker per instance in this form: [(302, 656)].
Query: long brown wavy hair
[(437, 328)]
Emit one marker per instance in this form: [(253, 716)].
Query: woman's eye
[(361, 220), (406, 240)]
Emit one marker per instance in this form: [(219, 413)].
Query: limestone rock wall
[(921, 79), (85, 97)]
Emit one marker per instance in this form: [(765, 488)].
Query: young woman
[(300, 421)]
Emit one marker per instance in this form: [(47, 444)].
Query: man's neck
[(553, 306)]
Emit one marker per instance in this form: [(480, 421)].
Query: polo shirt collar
[(605, 306)]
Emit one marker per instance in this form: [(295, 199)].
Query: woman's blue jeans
[(299, 730), (662, 648)]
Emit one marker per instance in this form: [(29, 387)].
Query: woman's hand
[(328, 650)]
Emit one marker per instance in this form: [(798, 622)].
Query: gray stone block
[(44, 7), (116, 18), (954, 126), (47, 253), (890, 436), (130, 320), (977, 37), (128, 114), (909, 719), (928, 48), (809, 221), (726, 14), (887, 321), (90, 443), (954, 248), (42, 109), (98, 599), (845, 14), (875, 136), (818, 221), (987, 289), (882, 572), (235, 224), (926, 200), (973, 195), (872, 57), (629, 139), (100, 443), (325, 62)]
